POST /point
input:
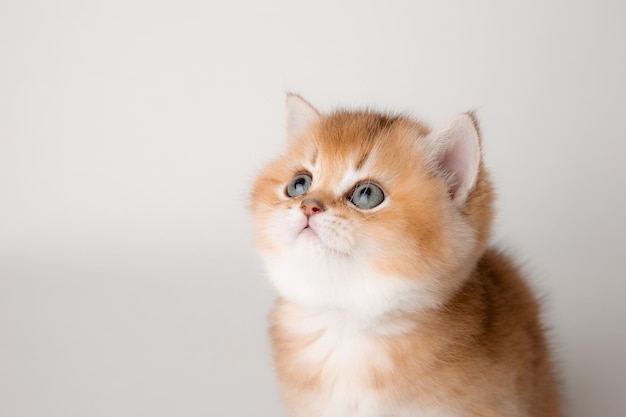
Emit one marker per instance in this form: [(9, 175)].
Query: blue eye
[(367, 195), (299, 185)]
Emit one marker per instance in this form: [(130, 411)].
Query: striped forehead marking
[(353, 170)]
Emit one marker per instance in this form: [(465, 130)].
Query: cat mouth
[(310, 235), (308, 230)]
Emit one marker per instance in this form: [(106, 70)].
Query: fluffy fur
[(400, 310)]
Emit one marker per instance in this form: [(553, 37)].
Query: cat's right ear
[(300, 116)]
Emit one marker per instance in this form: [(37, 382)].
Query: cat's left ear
[(454, 150), (300, 116)]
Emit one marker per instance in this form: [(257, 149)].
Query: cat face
[(364, 211)]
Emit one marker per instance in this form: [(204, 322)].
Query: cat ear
[(300, 115), (455, 152)]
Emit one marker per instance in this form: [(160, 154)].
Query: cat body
[(374, 231)]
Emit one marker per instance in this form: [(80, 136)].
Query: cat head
[(371, 212)]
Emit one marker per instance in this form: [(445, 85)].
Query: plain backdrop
[(130, 133)]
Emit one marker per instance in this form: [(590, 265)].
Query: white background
[(130, 132)]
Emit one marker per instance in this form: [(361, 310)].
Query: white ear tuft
[(455, 152), (300, 115)]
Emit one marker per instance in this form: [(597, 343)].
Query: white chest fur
[(344, 355), (347, 354)]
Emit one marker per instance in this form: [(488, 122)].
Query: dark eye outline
[(351, 196), (290, 190)]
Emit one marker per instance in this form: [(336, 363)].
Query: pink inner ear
[(455, 164), (460, 158)]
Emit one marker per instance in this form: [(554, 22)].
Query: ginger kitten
[(374, 230)]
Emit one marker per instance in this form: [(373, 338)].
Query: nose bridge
[(320, 195)]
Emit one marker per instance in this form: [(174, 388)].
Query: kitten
[(374, 231)]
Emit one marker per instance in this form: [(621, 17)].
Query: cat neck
[(304, 319), (356, 292)]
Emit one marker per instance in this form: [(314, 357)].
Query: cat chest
[(343, 366), (346, 353), (342, 371)]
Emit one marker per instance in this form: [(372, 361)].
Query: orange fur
[(445, 325)]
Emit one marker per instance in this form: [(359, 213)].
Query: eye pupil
[(365, 195)]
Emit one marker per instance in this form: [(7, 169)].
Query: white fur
[(344, 353)]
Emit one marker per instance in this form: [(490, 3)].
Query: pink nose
[(311, 206)]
